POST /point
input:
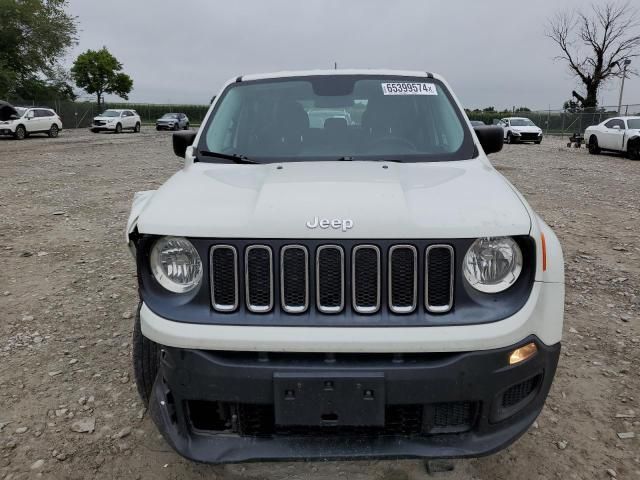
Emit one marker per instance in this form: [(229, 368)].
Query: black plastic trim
[(424, 379)]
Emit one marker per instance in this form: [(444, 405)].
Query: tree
[(34, 36), (594, 45), (99, 72)]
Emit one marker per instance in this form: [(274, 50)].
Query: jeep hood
[(397, 200)]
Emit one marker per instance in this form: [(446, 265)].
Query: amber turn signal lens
[(523, 353)]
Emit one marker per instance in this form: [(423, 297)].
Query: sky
[(493, 53)]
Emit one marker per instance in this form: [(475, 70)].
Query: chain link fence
[(559, 122)]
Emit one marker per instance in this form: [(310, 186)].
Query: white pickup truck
[(362, 289), (619, 134)]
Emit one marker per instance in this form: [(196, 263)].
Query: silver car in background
[(173, 121)]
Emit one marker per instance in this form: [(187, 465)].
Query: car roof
[(309, 73), (517, 118), (626, 117)]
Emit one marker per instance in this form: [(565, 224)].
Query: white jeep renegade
[(336, 289)]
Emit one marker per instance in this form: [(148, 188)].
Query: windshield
[(170, 115), (110, 113), (634, 123), (360, 117), (522, 122)]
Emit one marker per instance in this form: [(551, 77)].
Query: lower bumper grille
[(405, 420), (529, 136)]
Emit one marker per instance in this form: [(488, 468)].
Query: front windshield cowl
[(332, 117)]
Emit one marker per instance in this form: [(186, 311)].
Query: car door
[(125, 119), (31, 120), (45, 119), (612, 134)]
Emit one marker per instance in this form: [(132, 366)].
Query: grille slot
[(330, 278), (520, 391), (258, 266), (403, 278), (439, 278), (366, 278), (294, 278), (451, 417), (224, 278)]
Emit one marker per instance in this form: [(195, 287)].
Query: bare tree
[(595, 44)]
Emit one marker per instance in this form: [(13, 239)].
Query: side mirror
[(182, 140), (616, 127), (491, 137), (30, 115)]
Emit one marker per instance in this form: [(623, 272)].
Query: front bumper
[(7, 130), (527, 137), (220, 406), (102, 128), (165, 126)]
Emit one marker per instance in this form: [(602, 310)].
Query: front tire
[(146, 361), (633, 153), (593, 145), (53, 131), (509, 138), (176, 126), (20, 133), (136, 129), (537, 142), (119, 128), (186, 126)]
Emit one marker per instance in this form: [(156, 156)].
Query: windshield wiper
[(234, 157)]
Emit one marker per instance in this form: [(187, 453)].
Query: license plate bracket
[(329, 399)]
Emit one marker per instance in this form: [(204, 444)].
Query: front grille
[(401, 420), (330, 278), (99, 122), (520, 391), (364, 278), (528, 136)]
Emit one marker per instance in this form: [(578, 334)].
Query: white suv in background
[(27, 121), (518, 129), (116, 121)]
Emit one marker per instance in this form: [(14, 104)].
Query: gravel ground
[(68, 405)]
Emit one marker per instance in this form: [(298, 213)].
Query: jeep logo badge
[(343, 224)]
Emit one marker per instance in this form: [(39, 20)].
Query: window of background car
[(522, 122), (329, 117), (634, 123), (110, 113), (614, 122)]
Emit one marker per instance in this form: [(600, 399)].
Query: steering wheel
[(392, 140)]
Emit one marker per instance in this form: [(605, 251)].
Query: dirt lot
[(68, 292)]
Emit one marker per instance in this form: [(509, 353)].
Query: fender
[(140, 200)]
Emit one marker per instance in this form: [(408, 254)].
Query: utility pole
[(625, 63), (335, 65)]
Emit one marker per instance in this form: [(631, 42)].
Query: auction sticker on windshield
[(409, 88)]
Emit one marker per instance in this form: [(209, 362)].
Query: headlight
[(176, 264), (492, 265)]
